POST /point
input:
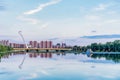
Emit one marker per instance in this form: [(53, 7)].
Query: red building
[(41, 44), (35, 44), (4, 42), (49, 44), (46, 44), (31, 43)]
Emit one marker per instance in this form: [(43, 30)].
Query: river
[(58, 66)]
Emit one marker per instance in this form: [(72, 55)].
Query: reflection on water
[(42, 55), (59, 66), (34, 55), (113, 57)]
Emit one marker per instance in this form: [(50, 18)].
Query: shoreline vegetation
[(5, 50), (99, 47)]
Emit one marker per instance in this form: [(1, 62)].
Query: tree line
[(5, 48), (99, 47)]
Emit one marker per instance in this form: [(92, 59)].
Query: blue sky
[(45, 19)]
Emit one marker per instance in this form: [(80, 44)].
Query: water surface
[(57, 66)]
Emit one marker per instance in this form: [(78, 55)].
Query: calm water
[(63, 66)]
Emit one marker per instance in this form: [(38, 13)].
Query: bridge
[(45, 49)]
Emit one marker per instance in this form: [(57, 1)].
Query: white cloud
[(112, 21), (41, 7), (93, 31), (112, 12), (92, 17), (101, 7), (30, 76), (33, 75), (29, 20), (38, 9), (44, 72), (44, 25)]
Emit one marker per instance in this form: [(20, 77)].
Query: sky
[(46, 19)]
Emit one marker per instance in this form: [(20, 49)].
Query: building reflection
[(45, 55), (33, 55), (41, 55), (113, 57)]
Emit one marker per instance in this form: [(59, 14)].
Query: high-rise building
[(58, 45), (31, 44), (49, 44), (38, 44), (22, 46), (41, 44), (46, 44), (63, 45), (4, 42), (7, 43), (35, 44), (11, 45)]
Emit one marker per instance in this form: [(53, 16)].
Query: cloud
[(112, 12), (33, 75), (116, 0), (102, 36), (92, 17), (44, 72), (30, 76), (30, 20), (2, 7), (101, 7), (38, 9), (93, 31), (41, 7), (111, 21), (44, 25)]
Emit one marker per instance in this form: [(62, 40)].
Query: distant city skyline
[(47, 19), (33, 44)]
